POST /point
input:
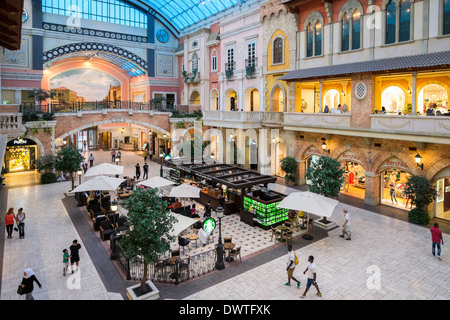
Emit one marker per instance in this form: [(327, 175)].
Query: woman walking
[(27, 283), (9, 222), (20, 218)]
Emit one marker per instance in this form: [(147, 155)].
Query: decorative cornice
[(93, 32)]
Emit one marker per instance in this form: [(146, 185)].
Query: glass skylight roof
[(183, 13)]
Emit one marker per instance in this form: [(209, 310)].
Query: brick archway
[(69, 124), (436, 167), (385, 155)]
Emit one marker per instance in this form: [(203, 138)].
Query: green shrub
[(289, 167), (49, 177), (418, 216)]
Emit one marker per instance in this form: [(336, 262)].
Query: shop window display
[(433, 94), (393, 189), (442, 202), (393, 99), (355, 179), (20, 155)]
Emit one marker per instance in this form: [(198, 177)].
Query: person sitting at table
[(194, 213)]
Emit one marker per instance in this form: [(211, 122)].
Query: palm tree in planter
[(421, 193), (150, 224), (327, 177), (289, 167)]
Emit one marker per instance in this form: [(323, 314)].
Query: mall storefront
[(20, 155)]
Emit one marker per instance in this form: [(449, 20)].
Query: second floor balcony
[(233, 119)]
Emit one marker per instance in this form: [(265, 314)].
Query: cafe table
[(228, 246), (193, 237)]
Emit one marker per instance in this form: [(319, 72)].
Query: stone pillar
[(320, 96), (414, 93), (301, 172), (373, 188)]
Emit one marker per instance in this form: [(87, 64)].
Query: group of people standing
[(11, 218)]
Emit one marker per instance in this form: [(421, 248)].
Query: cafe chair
[(95, 210), (184, 267), (175, 253), (121, 224), (275, 234), (288, 235), (106, 229), (227, 239), (160, 269), (110, 217), (183, 242), (236, 253), (96, 221)]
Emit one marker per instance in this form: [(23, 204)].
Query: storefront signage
[(394, 163), (348, 156), (209, 225), (312, 151), (20, 142)]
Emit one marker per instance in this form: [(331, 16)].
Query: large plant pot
[(133, 292), (325, 224)]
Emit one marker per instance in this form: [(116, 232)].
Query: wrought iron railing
[(97, 105), (166, 271)]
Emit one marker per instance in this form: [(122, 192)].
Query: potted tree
[(421, 193), (289, 167), (69, 160), (327, 177), (45, 166), (149, 235)]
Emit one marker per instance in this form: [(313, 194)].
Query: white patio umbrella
[(156, 182), (311, 203), (104, 168), (182, 223), (100, 183), (185, 191)]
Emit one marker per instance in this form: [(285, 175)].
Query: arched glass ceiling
[(183, 13)]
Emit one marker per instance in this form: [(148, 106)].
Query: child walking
[(65, 261)]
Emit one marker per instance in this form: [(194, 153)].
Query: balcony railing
[(98, 105), (418, 125), (273, 118), (229, 69), (163, 271), (250, 67), (326, 120)]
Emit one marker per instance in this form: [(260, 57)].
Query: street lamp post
[(79, 172), (113, 238), (220, 265), (276, 144), (161, 171)]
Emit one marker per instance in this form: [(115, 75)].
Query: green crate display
[(266, 214)]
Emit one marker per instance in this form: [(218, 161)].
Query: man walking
[(145, 167), (291, 267), (74, 254), (91, 160), (138, 171), (113, 155), (346, 226), (437, 240), (311, 268)]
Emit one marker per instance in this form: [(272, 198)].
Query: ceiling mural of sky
[(91, 84)]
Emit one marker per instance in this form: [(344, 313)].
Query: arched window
[(398, 21), (278, 50), (194, 62), (405, 20), (314, 39), (310, 41), (446, 13), (318, 39), (391, 19), (214, 62), (345, 38), (356, 30), (314, 34)]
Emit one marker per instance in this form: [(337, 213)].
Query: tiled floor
[(400, 251)]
